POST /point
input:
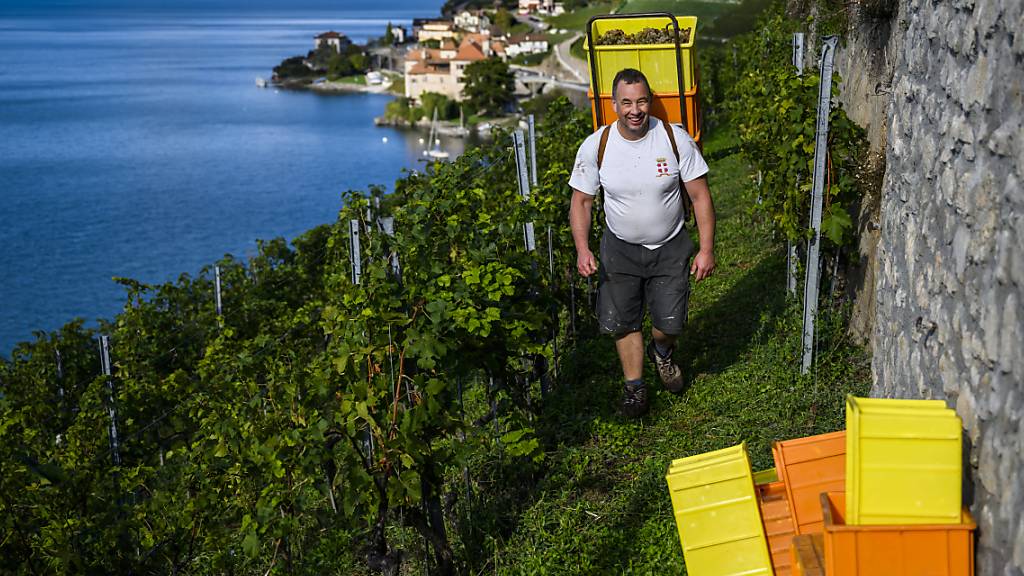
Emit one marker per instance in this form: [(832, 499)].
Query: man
[(645, 249)]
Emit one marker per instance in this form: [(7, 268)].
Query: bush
[(293, 68)]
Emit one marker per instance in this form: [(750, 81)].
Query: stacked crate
[(777, 520), (807, 467), (901, 512), (882, 497), (717, 515), (671, 69)]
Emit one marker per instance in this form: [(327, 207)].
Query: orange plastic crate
[(808, 467), (664, 105), (807, 555), (895, 550), (778, 525)]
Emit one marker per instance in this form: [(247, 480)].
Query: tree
[(503, 19), (389, 36), (293, 68), (489, 86), (446, 109)]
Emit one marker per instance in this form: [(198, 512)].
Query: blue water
[(136, 144)]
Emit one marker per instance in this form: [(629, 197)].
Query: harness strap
[(687, 203), (604, 144)]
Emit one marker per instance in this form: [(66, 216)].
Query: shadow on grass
[(718, 334), (580, 413)]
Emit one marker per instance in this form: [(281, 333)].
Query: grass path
[(601, 505)]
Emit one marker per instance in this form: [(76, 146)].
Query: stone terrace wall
[(950, 273)]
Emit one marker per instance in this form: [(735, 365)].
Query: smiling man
[(644, 166)]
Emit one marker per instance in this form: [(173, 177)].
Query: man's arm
[(579, 222), (704, 211)]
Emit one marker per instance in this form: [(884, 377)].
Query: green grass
[(576, 21), (696, 8), (358, 79), (397, 84), (599, 505), (714, 18), (576, 49), (530, 59)]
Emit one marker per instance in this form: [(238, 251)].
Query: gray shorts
[(631, 275)]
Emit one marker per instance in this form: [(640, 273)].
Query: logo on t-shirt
[(662, 167)]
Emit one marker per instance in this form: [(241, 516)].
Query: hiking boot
[(634, 400), (670, 373)]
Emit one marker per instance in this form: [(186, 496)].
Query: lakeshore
[(164, 172)]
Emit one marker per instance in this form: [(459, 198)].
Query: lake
[(135, 143)]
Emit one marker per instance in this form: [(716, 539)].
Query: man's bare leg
[(631, 354), (665, 341)]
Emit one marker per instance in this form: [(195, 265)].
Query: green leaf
[(435, 386), (835, 223), (250, 544)]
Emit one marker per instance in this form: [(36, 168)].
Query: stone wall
[(866, 63), (949, 284)]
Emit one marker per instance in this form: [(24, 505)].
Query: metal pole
[(533, 152), (554, 306), (798, 52), (791, 255), (216, 281), (111, 408), (387, 224), (828, 51), (524, 185), (354, 254)]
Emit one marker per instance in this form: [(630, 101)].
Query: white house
[(526, 44), (399, 34), (334, 39), (425, 29), (472, 21), (549, 7)]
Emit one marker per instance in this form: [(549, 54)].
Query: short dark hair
[(630, 76)]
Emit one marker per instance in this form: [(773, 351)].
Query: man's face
[(632, 103)]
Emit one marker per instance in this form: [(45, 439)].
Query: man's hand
[(586, 264), (703, 264)]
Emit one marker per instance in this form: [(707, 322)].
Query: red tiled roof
[(469, 51), (330, 34)]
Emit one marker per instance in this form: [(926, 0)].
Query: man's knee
[(623, 334)]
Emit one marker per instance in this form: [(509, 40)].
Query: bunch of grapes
[(648, 35)]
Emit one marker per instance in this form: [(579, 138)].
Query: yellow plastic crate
[(656, 61), (903, 462), (717, 514)]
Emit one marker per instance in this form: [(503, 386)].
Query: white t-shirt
[(642, 199)]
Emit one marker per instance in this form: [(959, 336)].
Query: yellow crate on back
[(717, 514), (656, 61), (903, 462)]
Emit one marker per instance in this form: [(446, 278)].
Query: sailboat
[(433, 142)]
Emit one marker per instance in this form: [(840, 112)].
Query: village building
[(429, 29), (472, 21), (548, 7), (441, 70), (336, 40), (399, 34), (526, 44)]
